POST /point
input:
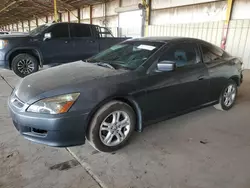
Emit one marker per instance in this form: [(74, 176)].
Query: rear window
[(104, 32), (80, 30)]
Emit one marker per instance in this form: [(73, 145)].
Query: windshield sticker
[(146, 47)]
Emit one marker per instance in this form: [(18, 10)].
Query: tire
[(98, 137), (224, 104), (24, 64)]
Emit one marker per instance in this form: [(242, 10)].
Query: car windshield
[(129, 55), (39, 29)]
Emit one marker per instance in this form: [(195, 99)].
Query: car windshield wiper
[(109, 64), (102, 64)]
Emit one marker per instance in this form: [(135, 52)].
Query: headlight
[(3, 43), (54, 105)]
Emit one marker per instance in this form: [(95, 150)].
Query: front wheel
[(24, 64), (228, 96), (111, 126)]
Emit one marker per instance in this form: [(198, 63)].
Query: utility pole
[(230, 4), (145, 6), (55, 11)]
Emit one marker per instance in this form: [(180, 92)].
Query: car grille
[(17, 102)]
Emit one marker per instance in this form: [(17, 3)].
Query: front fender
[(36, 50), (127, 99)]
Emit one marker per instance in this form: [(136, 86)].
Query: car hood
[(14, 36), (70, 75)]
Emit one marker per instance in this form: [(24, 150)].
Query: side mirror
[(166, 66), (47, 36)]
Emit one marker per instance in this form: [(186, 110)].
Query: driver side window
[(183, 54)]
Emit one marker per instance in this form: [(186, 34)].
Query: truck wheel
[(227, 97), (111, 126), (24, 64)]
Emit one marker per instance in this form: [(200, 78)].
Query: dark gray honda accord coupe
[(122, 89)]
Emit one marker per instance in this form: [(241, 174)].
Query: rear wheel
[(24, 64), (228, 96), (111, 126)]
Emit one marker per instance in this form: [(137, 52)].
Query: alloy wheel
[(115, 128), (25, 66), (229, 95)]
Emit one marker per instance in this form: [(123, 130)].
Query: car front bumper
[(53, 130), (3, 63), (241, 77)]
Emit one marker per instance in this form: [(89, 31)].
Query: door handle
[(66, 42)]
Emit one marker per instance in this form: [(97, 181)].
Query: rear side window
[(211, 53), (80, 30), (60, 31)]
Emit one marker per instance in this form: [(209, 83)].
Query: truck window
[(60, 31), (104, 32), (80, 30)]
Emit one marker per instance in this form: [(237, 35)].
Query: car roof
[(167, 39), (74, 23)]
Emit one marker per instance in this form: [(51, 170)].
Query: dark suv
[(53, 43)]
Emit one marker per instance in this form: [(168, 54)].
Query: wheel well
[(129, 102), (236, 79), (27, 51), (136, 109)]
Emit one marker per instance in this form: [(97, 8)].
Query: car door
[(184, 88), (85, 43), (59, 48)]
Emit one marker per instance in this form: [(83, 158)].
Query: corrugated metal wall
[(238, 42)]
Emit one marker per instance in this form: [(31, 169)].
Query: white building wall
[(125, 3), (41, 21), (208, 31), (26, 26), (98, 10), (160, 4), (20, 28), (87, 21), (50, 18), (65, 17), (85, 13), (214, 11), (73, 16), (32, 24), (111, 6), (241, 9)]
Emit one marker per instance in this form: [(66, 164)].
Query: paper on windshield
[(146, 47)]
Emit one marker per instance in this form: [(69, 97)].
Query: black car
[(122, 89), (53, 43)]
